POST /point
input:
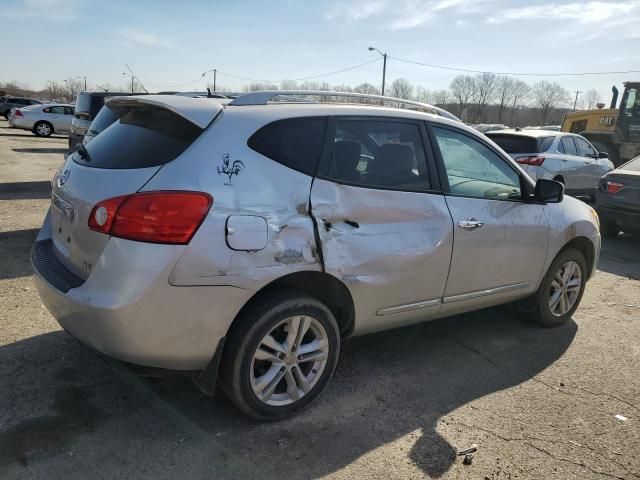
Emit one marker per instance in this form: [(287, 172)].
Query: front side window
[(584, 149), (474, 170), (379, 154), (568, 146), (294, 142)]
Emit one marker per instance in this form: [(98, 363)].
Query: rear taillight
[(613, 187), (155, 217), (535, 161), (17, 113)]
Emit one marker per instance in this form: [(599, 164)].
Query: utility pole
[(215, 72), (384, 66), (575, 103)]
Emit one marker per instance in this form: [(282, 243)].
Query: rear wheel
[(280, 355), (561, 289), (43, 129)]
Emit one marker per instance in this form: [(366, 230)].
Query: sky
[(169, 43)]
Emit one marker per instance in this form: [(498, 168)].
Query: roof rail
[(264, 96)]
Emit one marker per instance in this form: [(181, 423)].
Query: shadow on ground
[(25, 190), (621, 255), (16, 244), (386, 386), (40, 150)]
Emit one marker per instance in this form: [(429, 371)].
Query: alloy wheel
[(565, 288), (289, 360), (44, 129)]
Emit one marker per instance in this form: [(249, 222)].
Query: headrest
[(393, 159), (346, 156)]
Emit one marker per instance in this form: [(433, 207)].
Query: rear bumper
[(126, 308), (624, 218)]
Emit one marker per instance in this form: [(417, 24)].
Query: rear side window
[(142, 137), (515, 143), (568, 146), (544, 143), (578, 126), (295, 142), (633, 165), (105, 117)]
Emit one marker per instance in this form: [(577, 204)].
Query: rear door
[(117, 163), (593, 167), (500, 242), (384, 228), (57, 118), (572, 165)]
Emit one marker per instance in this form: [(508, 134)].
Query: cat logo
[(606, 121)]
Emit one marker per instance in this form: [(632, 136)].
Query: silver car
[(564, 157), (241, 243), (43, 120)]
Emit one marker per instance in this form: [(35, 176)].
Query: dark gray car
[(618, 199), (16, 102)]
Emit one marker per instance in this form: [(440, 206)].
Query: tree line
[(480, 98)]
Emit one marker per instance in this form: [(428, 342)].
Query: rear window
[(521, 143), (295, 142), (88, 106), (142, 137), (105, 117)]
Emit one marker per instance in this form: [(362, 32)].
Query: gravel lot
[(539, 403)]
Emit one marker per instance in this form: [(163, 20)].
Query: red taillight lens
[(17, 113), (613, 187), (535, 161), (155, 217)]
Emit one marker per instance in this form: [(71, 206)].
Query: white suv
[(242, 241)]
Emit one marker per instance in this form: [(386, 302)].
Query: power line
[(517, 74), (239, 77)]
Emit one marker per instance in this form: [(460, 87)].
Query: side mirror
[(548, 191), (603, 155)]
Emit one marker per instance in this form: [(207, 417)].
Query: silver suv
[(240, 243)]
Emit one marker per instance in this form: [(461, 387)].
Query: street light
[(384, 65), (215, 73), (85, 83), (129, 75)]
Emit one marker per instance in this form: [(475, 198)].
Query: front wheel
[(561, 289), (280, 355)]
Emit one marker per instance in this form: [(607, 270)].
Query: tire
[(609, 228), (43, 129), (269, 319), (542, 312)]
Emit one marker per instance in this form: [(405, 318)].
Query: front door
[(383, 229), (500, 242)]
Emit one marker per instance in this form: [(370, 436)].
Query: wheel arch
[(322, 286), (35, 125), (585, 246)]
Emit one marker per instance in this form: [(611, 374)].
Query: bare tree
[(73, 86), (367, 88), (401, 88), (485, 89), (463, 90), (519, 92), (590, 99), (504, 92), (548, 96), (441, 97), (423, 94), (289, 85)]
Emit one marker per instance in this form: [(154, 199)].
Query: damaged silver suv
[(240, 242)]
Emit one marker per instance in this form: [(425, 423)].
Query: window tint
[(57, 110), (379, 154), (514, 143), (568, 146), (142, 137), (475, 170), (294, 142), (584, 149)]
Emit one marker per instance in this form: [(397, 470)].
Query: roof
[(528, 133), (199, 111)]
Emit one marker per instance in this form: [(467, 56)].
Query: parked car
[(489, 127), (16, 102), (564, 157), (242, 242), (43, 120), (618, 199), (88, 104)]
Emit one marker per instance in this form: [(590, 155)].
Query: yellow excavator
[(612, 130)]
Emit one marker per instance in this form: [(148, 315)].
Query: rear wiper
[(83, 152)]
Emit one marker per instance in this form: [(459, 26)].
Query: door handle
[(470, 224)]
